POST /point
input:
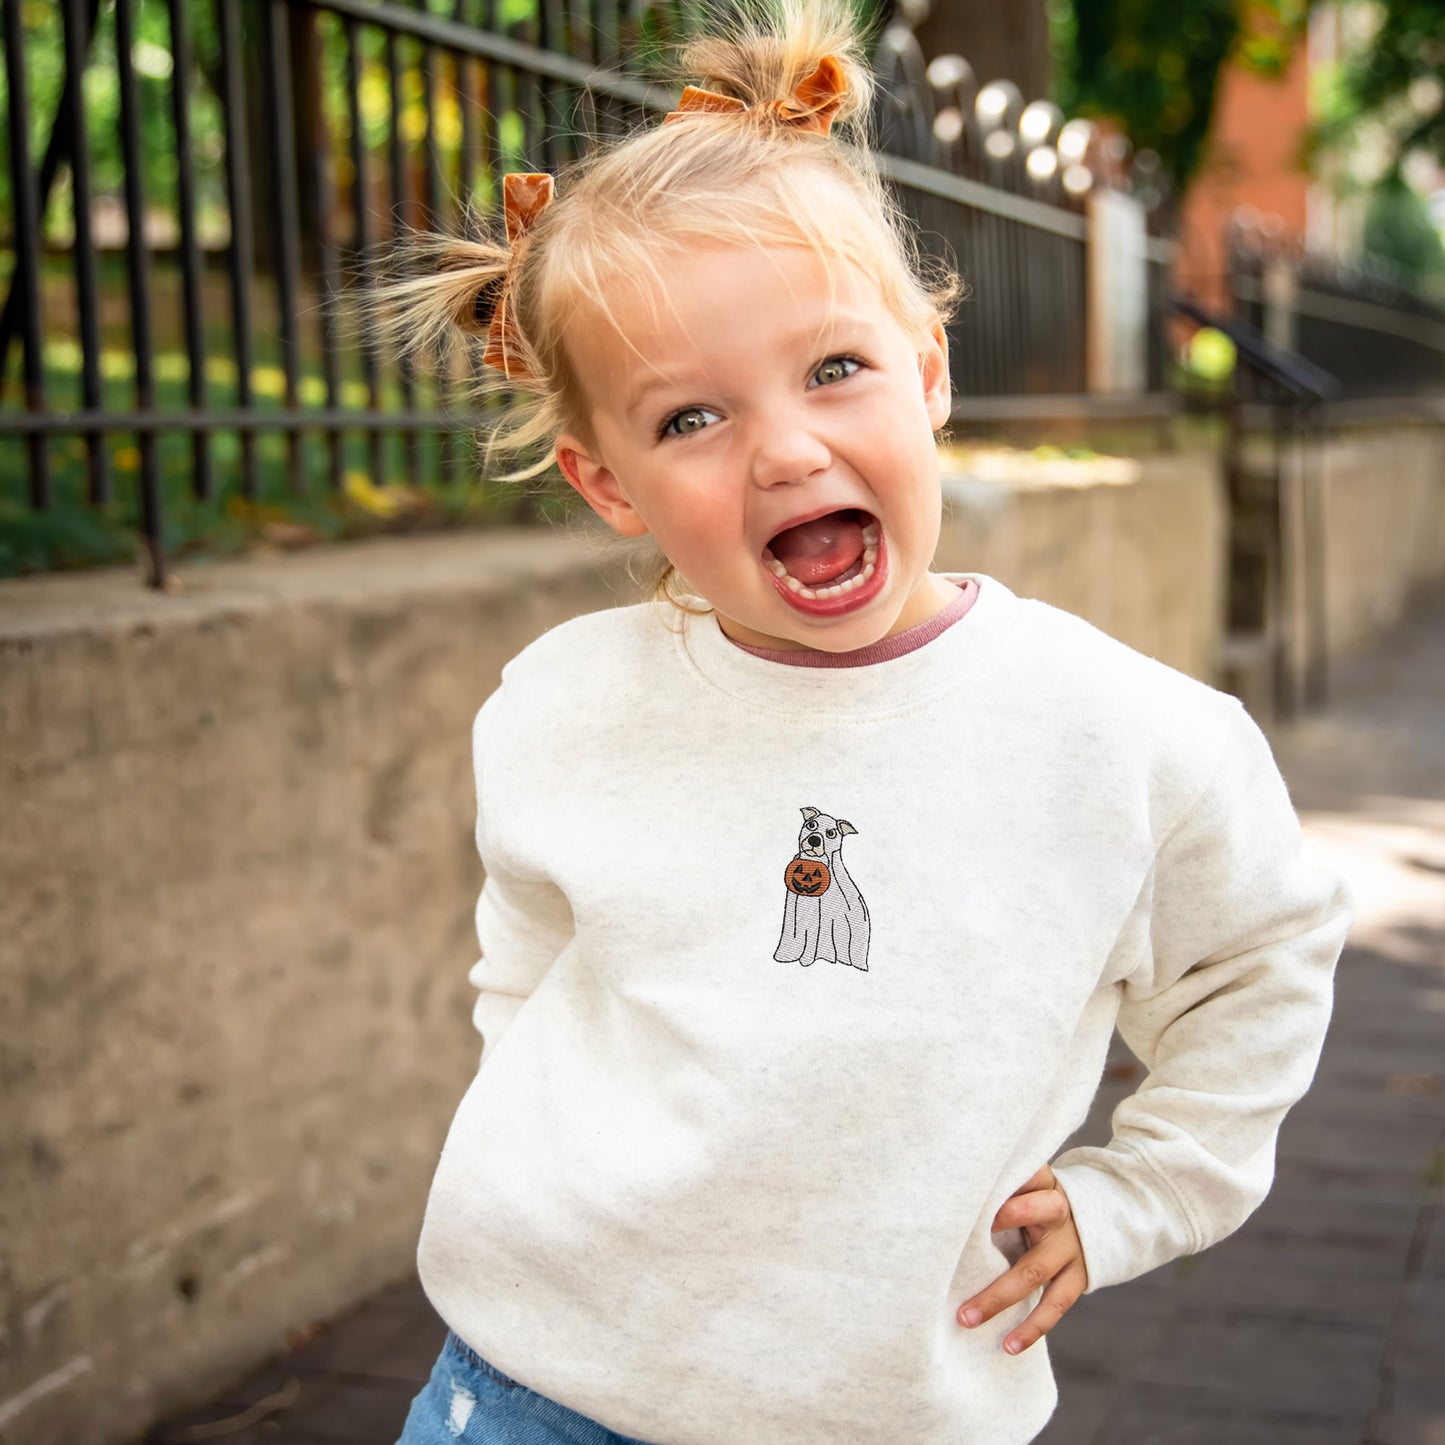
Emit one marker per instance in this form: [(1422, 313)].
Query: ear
[(933, 372), (598, 487)]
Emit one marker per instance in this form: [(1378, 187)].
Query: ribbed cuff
[(1126, 1224)]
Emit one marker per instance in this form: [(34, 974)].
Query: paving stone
[(269, 1379), (360, 1411), (352, 1345), (1258, 1363), (405, 1298), (1101, 1346), (1414, 1430), (1406, 1104), (1311, 1234), (1150, 1294), (1376, 1141), (1155, 1416), (1423, 1313), (1404, 1181), (412, 1355), (1417, 1382), (1084, 1405), (236, 1406), (274, 1431), (1374, 1069), (1237, 1282), (1432, 1260)]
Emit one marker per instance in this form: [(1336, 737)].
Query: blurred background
[(254, 584)]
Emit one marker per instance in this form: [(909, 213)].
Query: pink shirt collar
[(886, 647)]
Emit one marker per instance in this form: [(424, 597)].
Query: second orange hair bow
[(812, 105), (525, 195)]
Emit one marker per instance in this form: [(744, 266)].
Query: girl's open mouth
[(830, 565)]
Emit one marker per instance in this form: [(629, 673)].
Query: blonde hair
[(726, 177)]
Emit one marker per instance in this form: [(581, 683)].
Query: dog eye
[(832, 832)]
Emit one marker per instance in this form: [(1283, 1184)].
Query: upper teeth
[(870, 559)]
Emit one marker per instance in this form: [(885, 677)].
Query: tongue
[(817, 551)]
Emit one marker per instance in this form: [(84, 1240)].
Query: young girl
[(816, 886)]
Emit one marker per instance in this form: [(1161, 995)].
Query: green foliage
[(1393, 89), (72, 533), (154, 73), (1398, 227), (1155, 68), (1398, 80), (68, 537), (408, 488), (151, 58)]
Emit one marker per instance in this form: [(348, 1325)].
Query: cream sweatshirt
[(790, 976)]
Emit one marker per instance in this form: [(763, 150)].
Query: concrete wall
[(1137, 547), (236, 884), (234, 930), (1383, 519)]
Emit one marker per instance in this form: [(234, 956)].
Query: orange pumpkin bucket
[(807, 876)]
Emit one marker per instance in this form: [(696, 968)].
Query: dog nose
[(814, 841)]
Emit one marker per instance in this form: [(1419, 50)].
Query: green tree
[(1398, 228), (1397, 82), (1154, 69)]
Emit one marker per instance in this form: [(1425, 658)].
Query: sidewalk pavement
[(1322, 1320)]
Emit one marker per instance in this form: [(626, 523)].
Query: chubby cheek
[(700, 532)]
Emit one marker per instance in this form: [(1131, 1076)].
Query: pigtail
[(429, 300)]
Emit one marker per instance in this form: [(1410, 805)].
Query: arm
[(1227, 1009), (522, 924)]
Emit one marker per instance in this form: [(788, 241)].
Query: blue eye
[(665, 429), (678, 417), (835, 361)]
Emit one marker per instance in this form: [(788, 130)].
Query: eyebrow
[(838, 321)]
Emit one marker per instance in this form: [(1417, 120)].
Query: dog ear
[(845, 827), (809, 814)]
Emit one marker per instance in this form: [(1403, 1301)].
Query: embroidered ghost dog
[(824, 915)]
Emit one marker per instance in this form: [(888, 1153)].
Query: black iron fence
[(1360, 321), (175, 244)]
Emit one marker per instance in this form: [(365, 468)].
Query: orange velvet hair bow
[(525, 195), (812, 105)]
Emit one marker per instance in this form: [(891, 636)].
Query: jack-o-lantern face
[(807, 876)]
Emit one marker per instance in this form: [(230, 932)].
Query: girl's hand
[(1055, 1259)]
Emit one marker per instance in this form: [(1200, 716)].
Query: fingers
[(1056, 1263), (1038, 1207), (1033, 1269), (1060, 1296)]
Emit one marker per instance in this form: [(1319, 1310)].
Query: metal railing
[(1005, 185), (176, 338), (1359, 321)]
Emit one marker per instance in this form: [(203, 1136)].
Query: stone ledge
[(483, 563)]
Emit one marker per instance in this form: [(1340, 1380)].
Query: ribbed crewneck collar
[(949, 660), (886, 647)]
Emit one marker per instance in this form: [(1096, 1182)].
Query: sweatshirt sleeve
[(1227, 1010), (522, 924)]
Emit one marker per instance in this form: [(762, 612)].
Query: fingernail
[(972, 1317), (1013, 1346)]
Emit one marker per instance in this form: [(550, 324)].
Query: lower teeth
[(869, 558), (835, 590)]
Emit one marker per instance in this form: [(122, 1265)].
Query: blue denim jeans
[(470, 1402)]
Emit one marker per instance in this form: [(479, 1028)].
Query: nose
[(786, 449)]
